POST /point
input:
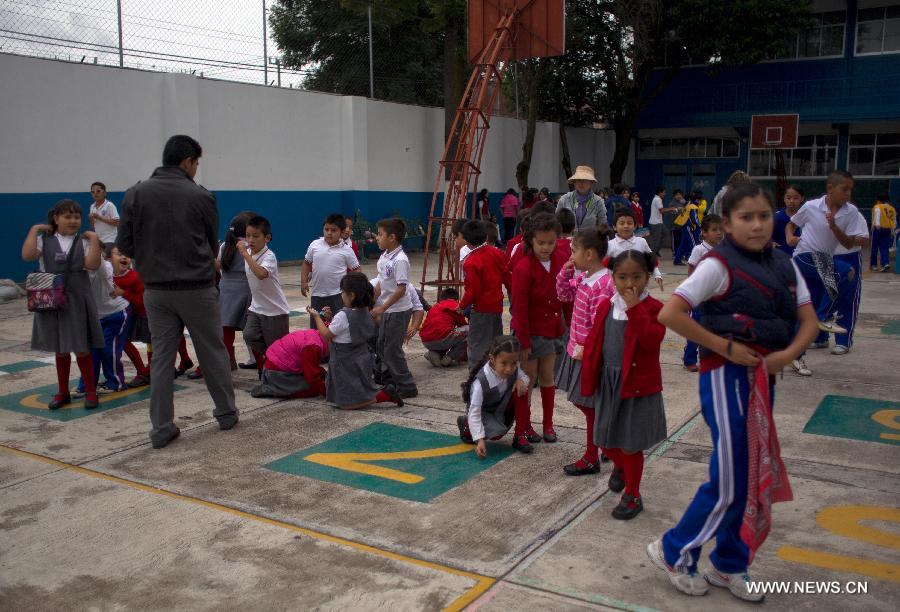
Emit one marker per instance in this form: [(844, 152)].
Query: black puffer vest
[(760, 306)]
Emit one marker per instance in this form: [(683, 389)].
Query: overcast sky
[(156, 33)]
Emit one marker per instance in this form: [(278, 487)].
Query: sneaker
[(140, 380), (448, 362), (886, 268), (247, 365), (434, 358), (628, 508), (799, 366), (831, 327), (78, 393), (582, 468), (692, 368), (689, 583), (59, 400), (532, 435), (738, 584), (818, 345), (520, 443), (839, 350), (550, 435), (616, 483), (105, 389), (462, 422)]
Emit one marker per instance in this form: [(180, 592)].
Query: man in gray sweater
[(169, 226)]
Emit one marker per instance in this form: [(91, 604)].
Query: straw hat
[(583, 173)]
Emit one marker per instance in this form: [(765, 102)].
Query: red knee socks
[(135, 355), (260, 361), (86, 365), (591, 453), (548, 395), (63, 366), (228, 337), (183, 353), (615, 455), (523, 414), (634, 470)]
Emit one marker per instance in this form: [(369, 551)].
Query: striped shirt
[(586, 292)]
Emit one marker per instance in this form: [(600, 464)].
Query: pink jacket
[(509, 205), (586, 299), (285, 352)]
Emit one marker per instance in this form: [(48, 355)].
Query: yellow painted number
[(353, 462), (889, 419)]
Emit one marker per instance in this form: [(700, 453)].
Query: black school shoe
[(462, 422), (628, 508), (581, 468), (59, 400), (533, 436), (162, 443), (616, 482), (227, 423), (520, 443)]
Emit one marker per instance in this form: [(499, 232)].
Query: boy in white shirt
[(268, 318), (327, 261), (392, 306), (103, 215), (625, 240)]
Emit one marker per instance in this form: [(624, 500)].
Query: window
[(824, 38), (878, 30), (814, 155), (874, 154), (668, 148)]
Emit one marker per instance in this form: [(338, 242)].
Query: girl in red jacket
[(537, 313), (621, 365)]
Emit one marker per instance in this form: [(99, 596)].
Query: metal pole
[(265, 48), (278, 66), (121, 56), (371, 69)]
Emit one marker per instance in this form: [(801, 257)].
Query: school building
[(842, 76)]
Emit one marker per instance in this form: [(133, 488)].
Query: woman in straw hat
[(588, 207)]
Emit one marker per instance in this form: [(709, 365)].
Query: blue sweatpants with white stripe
[(846, 306), (821, 301), (116, 332), (686, 245), (691, 348), (717, 509)]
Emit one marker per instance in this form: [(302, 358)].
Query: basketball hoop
[(775, 132)]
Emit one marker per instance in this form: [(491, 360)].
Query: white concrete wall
[(66, 124)]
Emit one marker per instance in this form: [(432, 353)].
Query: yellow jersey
[(887, 216), (685, 215), (701, 210)]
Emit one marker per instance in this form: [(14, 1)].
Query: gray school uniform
[(390, 349), (497, 409), (349, 379), (633, 423), (75, 328), (568, 380), (483, 328), (234, 293), (279, 384)]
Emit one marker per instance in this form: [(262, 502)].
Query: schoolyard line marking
[(482, 583)]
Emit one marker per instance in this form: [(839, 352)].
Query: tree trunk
[(623, 129), (534, 75), (564, 148)]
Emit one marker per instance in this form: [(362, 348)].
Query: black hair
[(545, 191), (620, 188), (237, 229), (358, 284), (448, 293), (836, 177), (660, 189), (108, 249), (493, 235), (735, 194), (566, 219), (335, 219), (260, 223), (482, 195), (796, 188), (595, 239), (456, 228), (709, 220), (884, 198), (60, 208), (511, 191), (501, 344), (646, 260), (676, 192), (542, 222), (543, 207), (625, 212), (474, 232), (102, 186), (395, 226), (179, 148), (530, 195)]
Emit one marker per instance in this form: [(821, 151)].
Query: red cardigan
[(486, 275), (536, 310), (641, 372), (441, 320)]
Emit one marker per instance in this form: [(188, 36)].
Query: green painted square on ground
[(891, 327), (443, 462), (857, 418), (22, 366), (34, 402)]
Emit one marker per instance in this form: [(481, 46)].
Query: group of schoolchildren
[(583, 321)]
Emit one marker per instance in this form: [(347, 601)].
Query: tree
[(637, 36)]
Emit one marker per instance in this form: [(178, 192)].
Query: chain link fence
[(216, 39)]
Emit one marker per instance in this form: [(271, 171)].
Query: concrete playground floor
[(302, 506)]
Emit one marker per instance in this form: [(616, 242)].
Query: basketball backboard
[(538, 30), (774, 131)]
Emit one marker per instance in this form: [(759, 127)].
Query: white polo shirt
[(656, 205), (329, 265), (268, 296), (710, 280), (635, 243), (393, 270), (699, 252), (817, 236), (105, 231)]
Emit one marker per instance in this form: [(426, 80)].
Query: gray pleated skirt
[(634, 423), (350, 371), (74, 329), (279, 384), (234, 300), (568, 380)]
